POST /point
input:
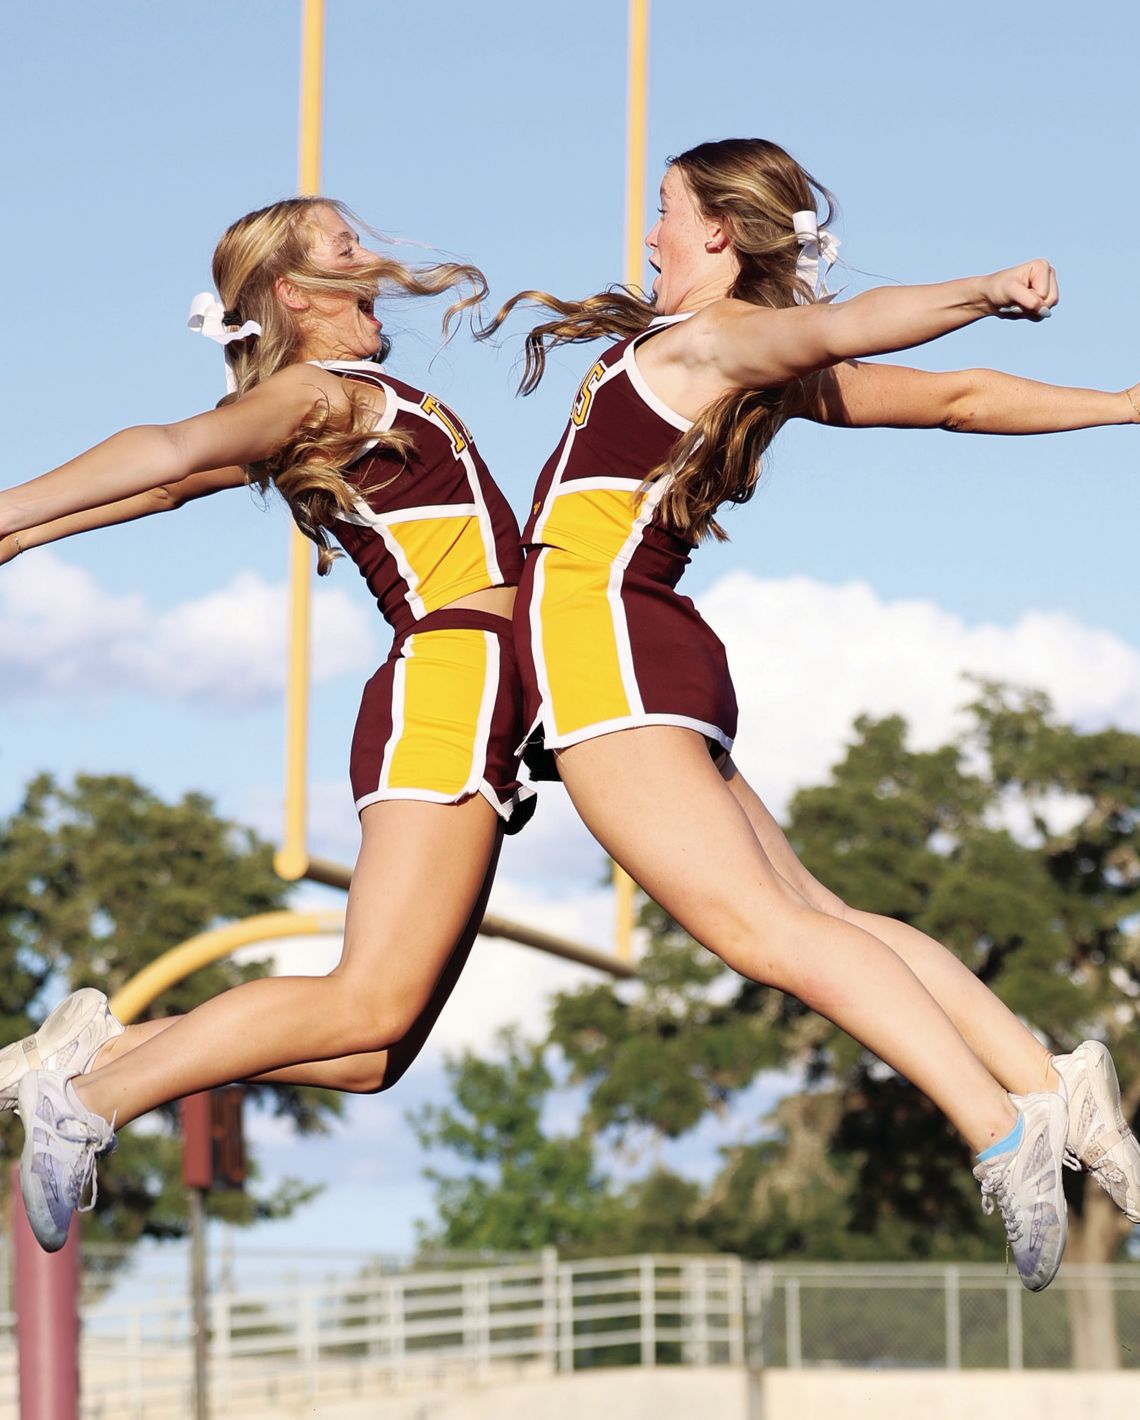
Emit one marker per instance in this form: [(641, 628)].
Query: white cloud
[(807, 658), (65, 633)]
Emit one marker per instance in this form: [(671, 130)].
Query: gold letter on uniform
[(585, 394), (459, 436)]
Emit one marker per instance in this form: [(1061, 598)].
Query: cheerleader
[(627, 691), (393, 475)]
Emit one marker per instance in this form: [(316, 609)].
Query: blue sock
[(1004, 1146)]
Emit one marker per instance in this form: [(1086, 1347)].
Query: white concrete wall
[(672, 1393), (948, 1395)]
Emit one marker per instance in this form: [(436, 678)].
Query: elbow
[(963, 407), (167, 497), (157, 447), (962, 419)]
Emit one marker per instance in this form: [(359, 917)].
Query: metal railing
[(374, 1330)]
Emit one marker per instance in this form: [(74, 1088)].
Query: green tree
[(528, 1189), (96, 880)]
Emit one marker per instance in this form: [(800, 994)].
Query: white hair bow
[(816, 244), (207, 318)]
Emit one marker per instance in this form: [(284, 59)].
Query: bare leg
[(420, 870), (655, 801), (1008, 1050), (365, 1073)]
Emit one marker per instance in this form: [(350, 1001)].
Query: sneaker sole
[(1106, 1090), (40, 1220), (1047, 1269), (82, 1008)]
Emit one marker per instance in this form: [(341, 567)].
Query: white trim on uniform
[(611, 372), (403, 566), (537, 650), (399, 691), (486, 527), (629, 363), (633, 722), (371, 371), (599, 483), (491, 675), (365, 516), (504, 809)]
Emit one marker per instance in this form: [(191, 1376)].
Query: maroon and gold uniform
[(441, 719), (605, 641)]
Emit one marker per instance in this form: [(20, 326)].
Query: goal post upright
[(636, 110), (292, 859)]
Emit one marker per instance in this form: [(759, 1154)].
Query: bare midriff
[(499, 601)]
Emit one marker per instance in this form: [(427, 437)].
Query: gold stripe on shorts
[(580, 659), (440, 737)]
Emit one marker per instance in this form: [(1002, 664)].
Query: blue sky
[(868, 572)]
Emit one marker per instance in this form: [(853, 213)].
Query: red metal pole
[(47, 1318)]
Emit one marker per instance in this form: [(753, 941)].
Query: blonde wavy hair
[(751, 187), (272, 244)]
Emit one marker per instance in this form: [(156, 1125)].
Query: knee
[(369, 1023), (371, 1073), (790, 950), (363, 1074), (359, 1074), (831, 905)]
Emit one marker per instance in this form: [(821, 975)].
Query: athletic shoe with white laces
[(1099, 1136), (62, 1140), (69, 1039), (1025, 1183)]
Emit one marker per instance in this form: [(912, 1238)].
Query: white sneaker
[(1025, 1183), (1099, 1136), (69, 1039), (62, 1140)]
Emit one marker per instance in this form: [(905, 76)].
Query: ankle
[(81, 1088), (997, 1129), (104, 1055)]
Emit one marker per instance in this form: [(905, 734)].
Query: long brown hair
[(751, 187), (274, 243)]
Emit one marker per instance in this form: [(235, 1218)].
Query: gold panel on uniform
[(594, 522), (445, 679), (579, 644), (439, 548)]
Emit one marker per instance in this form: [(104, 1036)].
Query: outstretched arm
[(155, 455), (163, 499), (858, 396), (732, 343)]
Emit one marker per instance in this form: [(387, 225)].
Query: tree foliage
[(528, 1188), (96, 880)]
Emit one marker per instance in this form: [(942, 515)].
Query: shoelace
[(995, 1188), (84, 1172)]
